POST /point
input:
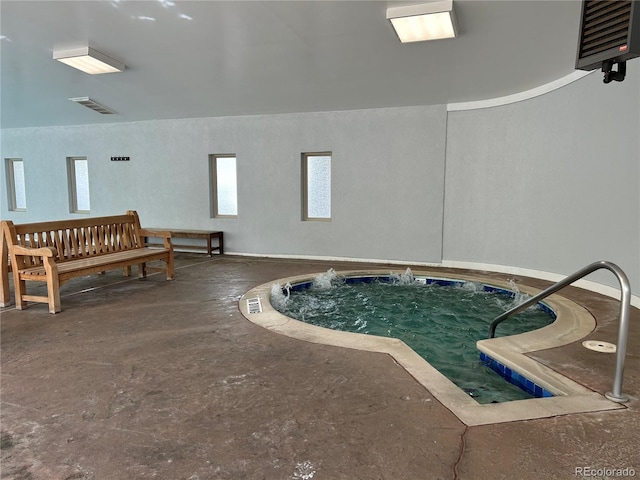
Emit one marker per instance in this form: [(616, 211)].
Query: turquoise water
[(440, 323)]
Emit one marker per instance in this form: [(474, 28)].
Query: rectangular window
[(78, 175), (316, 186), (16, 192), (224, 185)]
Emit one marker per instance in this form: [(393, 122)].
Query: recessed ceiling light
[(425, 21), (93, 105), (89, 60)]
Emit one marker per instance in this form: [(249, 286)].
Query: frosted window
[(225, 186), (79, 184), (82, 186), (318, 186), (16, 184)]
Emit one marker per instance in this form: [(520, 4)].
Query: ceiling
[(224, 58)]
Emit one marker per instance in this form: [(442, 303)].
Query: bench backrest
[(76, 238)]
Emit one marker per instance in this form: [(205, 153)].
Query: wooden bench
[(205, 235), (54, 252)]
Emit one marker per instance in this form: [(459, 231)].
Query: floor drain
[(599, 346)]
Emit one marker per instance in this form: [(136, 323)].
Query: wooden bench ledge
[(207, 235)]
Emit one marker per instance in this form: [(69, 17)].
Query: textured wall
[(549, 183), (387, 169)]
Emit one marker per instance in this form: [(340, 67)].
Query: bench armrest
[(164, 234), (33, 252)]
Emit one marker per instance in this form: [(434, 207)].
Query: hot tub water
[(439, 319)]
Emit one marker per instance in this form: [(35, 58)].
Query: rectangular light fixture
[(425, 21), (89, 60), (93, 105)]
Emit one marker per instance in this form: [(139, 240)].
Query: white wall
[(387, 171), (548, 184)]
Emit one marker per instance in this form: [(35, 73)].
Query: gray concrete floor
[(154, 379)]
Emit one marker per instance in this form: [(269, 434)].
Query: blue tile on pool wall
[(514, 377), (300, 286)]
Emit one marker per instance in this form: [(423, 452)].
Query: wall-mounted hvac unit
[(609, 35)]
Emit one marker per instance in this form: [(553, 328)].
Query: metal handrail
[(616, 394)]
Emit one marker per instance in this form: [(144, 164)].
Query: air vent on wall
[(609, 34), (87, 102)]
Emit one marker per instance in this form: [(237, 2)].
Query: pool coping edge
[(573, 323)]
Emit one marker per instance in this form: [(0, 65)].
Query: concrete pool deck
[(168, 380)]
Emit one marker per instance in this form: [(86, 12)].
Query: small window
[(224, 185), (78, 173), (316, 186), (16, 192)]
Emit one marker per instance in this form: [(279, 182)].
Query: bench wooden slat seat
[(91, 265), (54, 252)]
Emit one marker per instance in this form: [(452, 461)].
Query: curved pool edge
[(573, 322)]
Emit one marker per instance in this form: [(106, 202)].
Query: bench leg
[(220, 247), (53, 292), (170, 272), (142, 270), (5, 299), (20, 290), (53, 285), (126, 271)]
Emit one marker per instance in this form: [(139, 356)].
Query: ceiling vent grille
[(609, 32), (93, 105)]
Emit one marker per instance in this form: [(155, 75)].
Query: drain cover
[(599, 346)]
